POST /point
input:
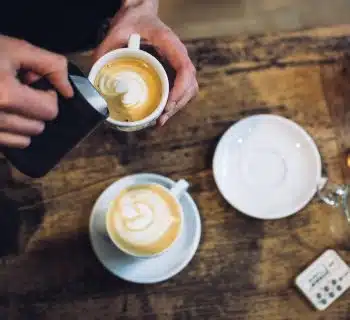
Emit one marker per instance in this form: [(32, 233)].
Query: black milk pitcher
[(77, 117)]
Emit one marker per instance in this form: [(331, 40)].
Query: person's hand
[(23, 109), (141, 17)]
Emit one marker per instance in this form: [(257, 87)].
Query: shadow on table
[(65, 273), (21, 212)]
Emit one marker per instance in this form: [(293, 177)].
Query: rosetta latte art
[(131, 87), (143, 217)]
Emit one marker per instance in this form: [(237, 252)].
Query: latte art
[(131, 87), (145, 219)]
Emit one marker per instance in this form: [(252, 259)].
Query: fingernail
[(25, 143), (41, 127)]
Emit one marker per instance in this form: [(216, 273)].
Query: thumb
[(114, 40)]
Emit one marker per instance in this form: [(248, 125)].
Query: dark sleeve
[(57, 26)]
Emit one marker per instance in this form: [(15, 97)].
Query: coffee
[(144, 219), (131, 87)]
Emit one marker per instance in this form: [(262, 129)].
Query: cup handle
[(179, 188), (134, 41)]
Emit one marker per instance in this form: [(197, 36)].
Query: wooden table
[(244, 268)]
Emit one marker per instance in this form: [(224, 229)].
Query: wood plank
[(244, 268)]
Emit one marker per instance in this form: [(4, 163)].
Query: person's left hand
[(141, 17)]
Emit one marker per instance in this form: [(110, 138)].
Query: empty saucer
[(145, 270), (267, 166)]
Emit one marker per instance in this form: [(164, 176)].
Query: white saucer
[(267, 167), (145, 270)]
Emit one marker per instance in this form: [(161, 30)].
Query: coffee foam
[(145, 218), (129, 85)]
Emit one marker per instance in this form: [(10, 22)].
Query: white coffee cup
[(133, 50), (175, 192)]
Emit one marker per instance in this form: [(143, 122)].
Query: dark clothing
[(57, 25)]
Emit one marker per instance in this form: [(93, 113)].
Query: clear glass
[(336, 196)]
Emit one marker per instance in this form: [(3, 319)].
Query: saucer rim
[(285, 121), (195, 242)]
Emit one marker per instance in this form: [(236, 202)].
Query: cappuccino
[(131, 87), (144, 219)]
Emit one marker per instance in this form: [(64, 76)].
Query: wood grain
[(244, 268)]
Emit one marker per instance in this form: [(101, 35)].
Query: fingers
[(43, 105), (61, 82), (45, 63), (185, 81), (30, 77), (17, 103), (172, 108), (14, 140), (114, 39), (185, 85), (169, 46), (21, 99), (192, 92), (20, 125), (15, 130)]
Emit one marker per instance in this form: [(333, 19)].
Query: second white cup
[(176, 192)]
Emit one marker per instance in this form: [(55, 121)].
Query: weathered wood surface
[(244, 268)]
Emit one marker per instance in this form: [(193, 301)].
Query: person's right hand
[(23, 109)]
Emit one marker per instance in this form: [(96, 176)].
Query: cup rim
[(161, 72), (182, 215)]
